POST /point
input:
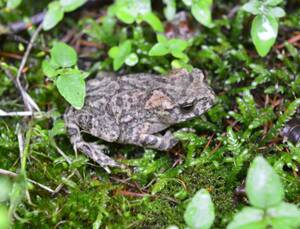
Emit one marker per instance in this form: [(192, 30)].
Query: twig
[(12, 174), (28, 101), (291, 40), (21, 113), (233, 11), (29, 47)]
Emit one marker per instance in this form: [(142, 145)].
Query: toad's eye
[(187, 107)]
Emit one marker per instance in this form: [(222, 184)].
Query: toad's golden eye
[(187, 107)]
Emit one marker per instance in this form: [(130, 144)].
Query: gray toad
[(132, 109)]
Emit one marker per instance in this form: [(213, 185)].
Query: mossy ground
[(155, 191)]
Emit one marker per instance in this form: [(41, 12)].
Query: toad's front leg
[(92, 150)]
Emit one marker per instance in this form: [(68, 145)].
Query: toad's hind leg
[(92, 150), (163, 143)]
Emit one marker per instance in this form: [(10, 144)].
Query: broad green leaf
[(12, 4), (123, 51), (72, 88), (200, 213), (264, 31), (53, 16), (277, 12), (170, 9), (158, 50), (132, 59), (70, 5), (248, 218), (201, 10), (153, 21), (180, 55), (48, 69), (63, 54), (182, 64), (162, 39), (125, 16), (284, 216), (252, 7), (177, 44), (273, 2), (263, 186), (128, 10), (4, 218), (113, 52)]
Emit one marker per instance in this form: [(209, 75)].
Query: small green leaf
[(273, 2), (180, 55), (201, 10), (125, 16), (158, 50), (248, 218), (53, 16), (72, 88), (264, 31), (12, 4), (277, 12), (132, 59), (124, 50), (153, 21), (58, 128), (252, 7), (177, 44), (263, 186), (284, 216), (48, 69), (162, 39), (200, 213), (70, 5), (129, 10), (63, 54), (113, 52), (181, 64)]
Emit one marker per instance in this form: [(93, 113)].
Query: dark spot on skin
[(85, 121), (191, 78), (119, 102)]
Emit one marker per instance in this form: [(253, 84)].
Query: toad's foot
[(97, 153), (163, 143)]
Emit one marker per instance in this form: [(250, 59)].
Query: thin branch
[(28, 101), (29, 47), (12, 174), (21, 113)]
